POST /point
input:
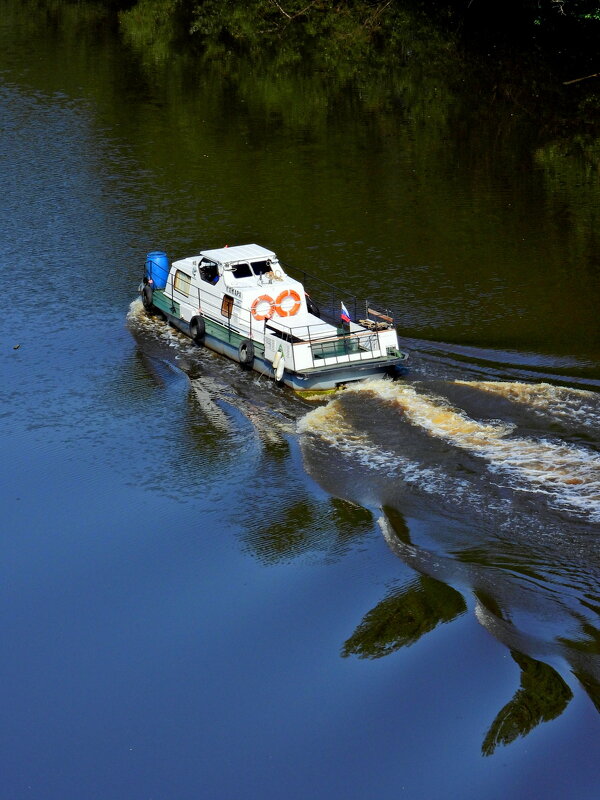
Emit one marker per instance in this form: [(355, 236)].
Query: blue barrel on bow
[(157, 268)]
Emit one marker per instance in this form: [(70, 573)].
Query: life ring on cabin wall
[(289, 311), (262, 300)]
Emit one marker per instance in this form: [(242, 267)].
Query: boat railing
[(228, 314), (242, 321), (316, 345), (328, 299), (320, 343), (324, 297)]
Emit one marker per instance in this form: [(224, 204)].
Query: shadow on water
[(403, 617), (541, 697)]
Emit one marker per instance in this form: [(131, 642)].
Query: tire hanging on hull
[(246, 353), (198, 330), (147, 299)]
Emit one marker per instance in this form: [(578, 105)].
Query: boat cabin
[(240, 300), (246, 284)]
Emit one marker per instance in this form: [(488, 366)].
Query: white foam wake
[(568, 475), (330, 425), (558, 402)]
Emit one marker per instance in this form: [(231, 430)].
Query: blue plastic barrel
[(157, 268)]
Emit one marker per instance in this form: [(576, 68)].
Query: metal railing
[(323, 345), (328, 298), (326, 347)]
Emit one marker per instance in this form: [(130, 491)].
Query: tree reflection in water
[(305, 527), (403, 617), (542, 696), (406, 614)]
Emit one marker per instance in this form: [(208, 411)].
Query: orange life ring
[(264, 298), (283, 296)]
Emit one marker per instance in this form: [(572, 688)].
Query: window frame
[(227, 306), (179, 278)]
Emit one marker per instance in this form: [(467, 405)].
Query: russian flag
[(345, 315)]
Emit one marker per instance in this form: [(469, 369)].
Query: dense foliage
[(356, 24), (331, 31), (531, 64)]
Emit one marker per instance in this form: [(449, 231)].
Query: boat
[(243, 302)]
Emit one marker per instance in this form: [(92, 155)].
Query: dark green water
[(211, 588)]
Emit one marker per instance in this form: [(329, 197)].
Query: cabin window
[(182, 283), (241, 271), (209, 272), (227, 306), (261, 267)]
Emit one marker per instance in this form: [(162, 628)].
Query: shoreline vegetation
[(514, 39), (564, 31), (459, 64)]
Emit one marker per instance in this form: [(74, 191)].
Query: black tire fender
[(197, 329), (147, 298), (246, 353)]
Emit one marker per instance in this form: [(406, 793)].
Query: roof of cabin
[(243, 252)]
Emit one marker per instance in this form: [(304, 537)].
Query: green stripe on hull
[(225, 334), (164, 303), (219, 331)]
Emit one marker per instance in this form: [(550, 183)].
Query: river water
[(212, 588)]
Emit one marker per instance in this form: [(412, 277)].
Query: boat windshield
[(261, 267), (255, 268), (241, 271)]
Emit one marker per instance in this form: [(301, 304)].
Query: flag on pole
[(345, 315)]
